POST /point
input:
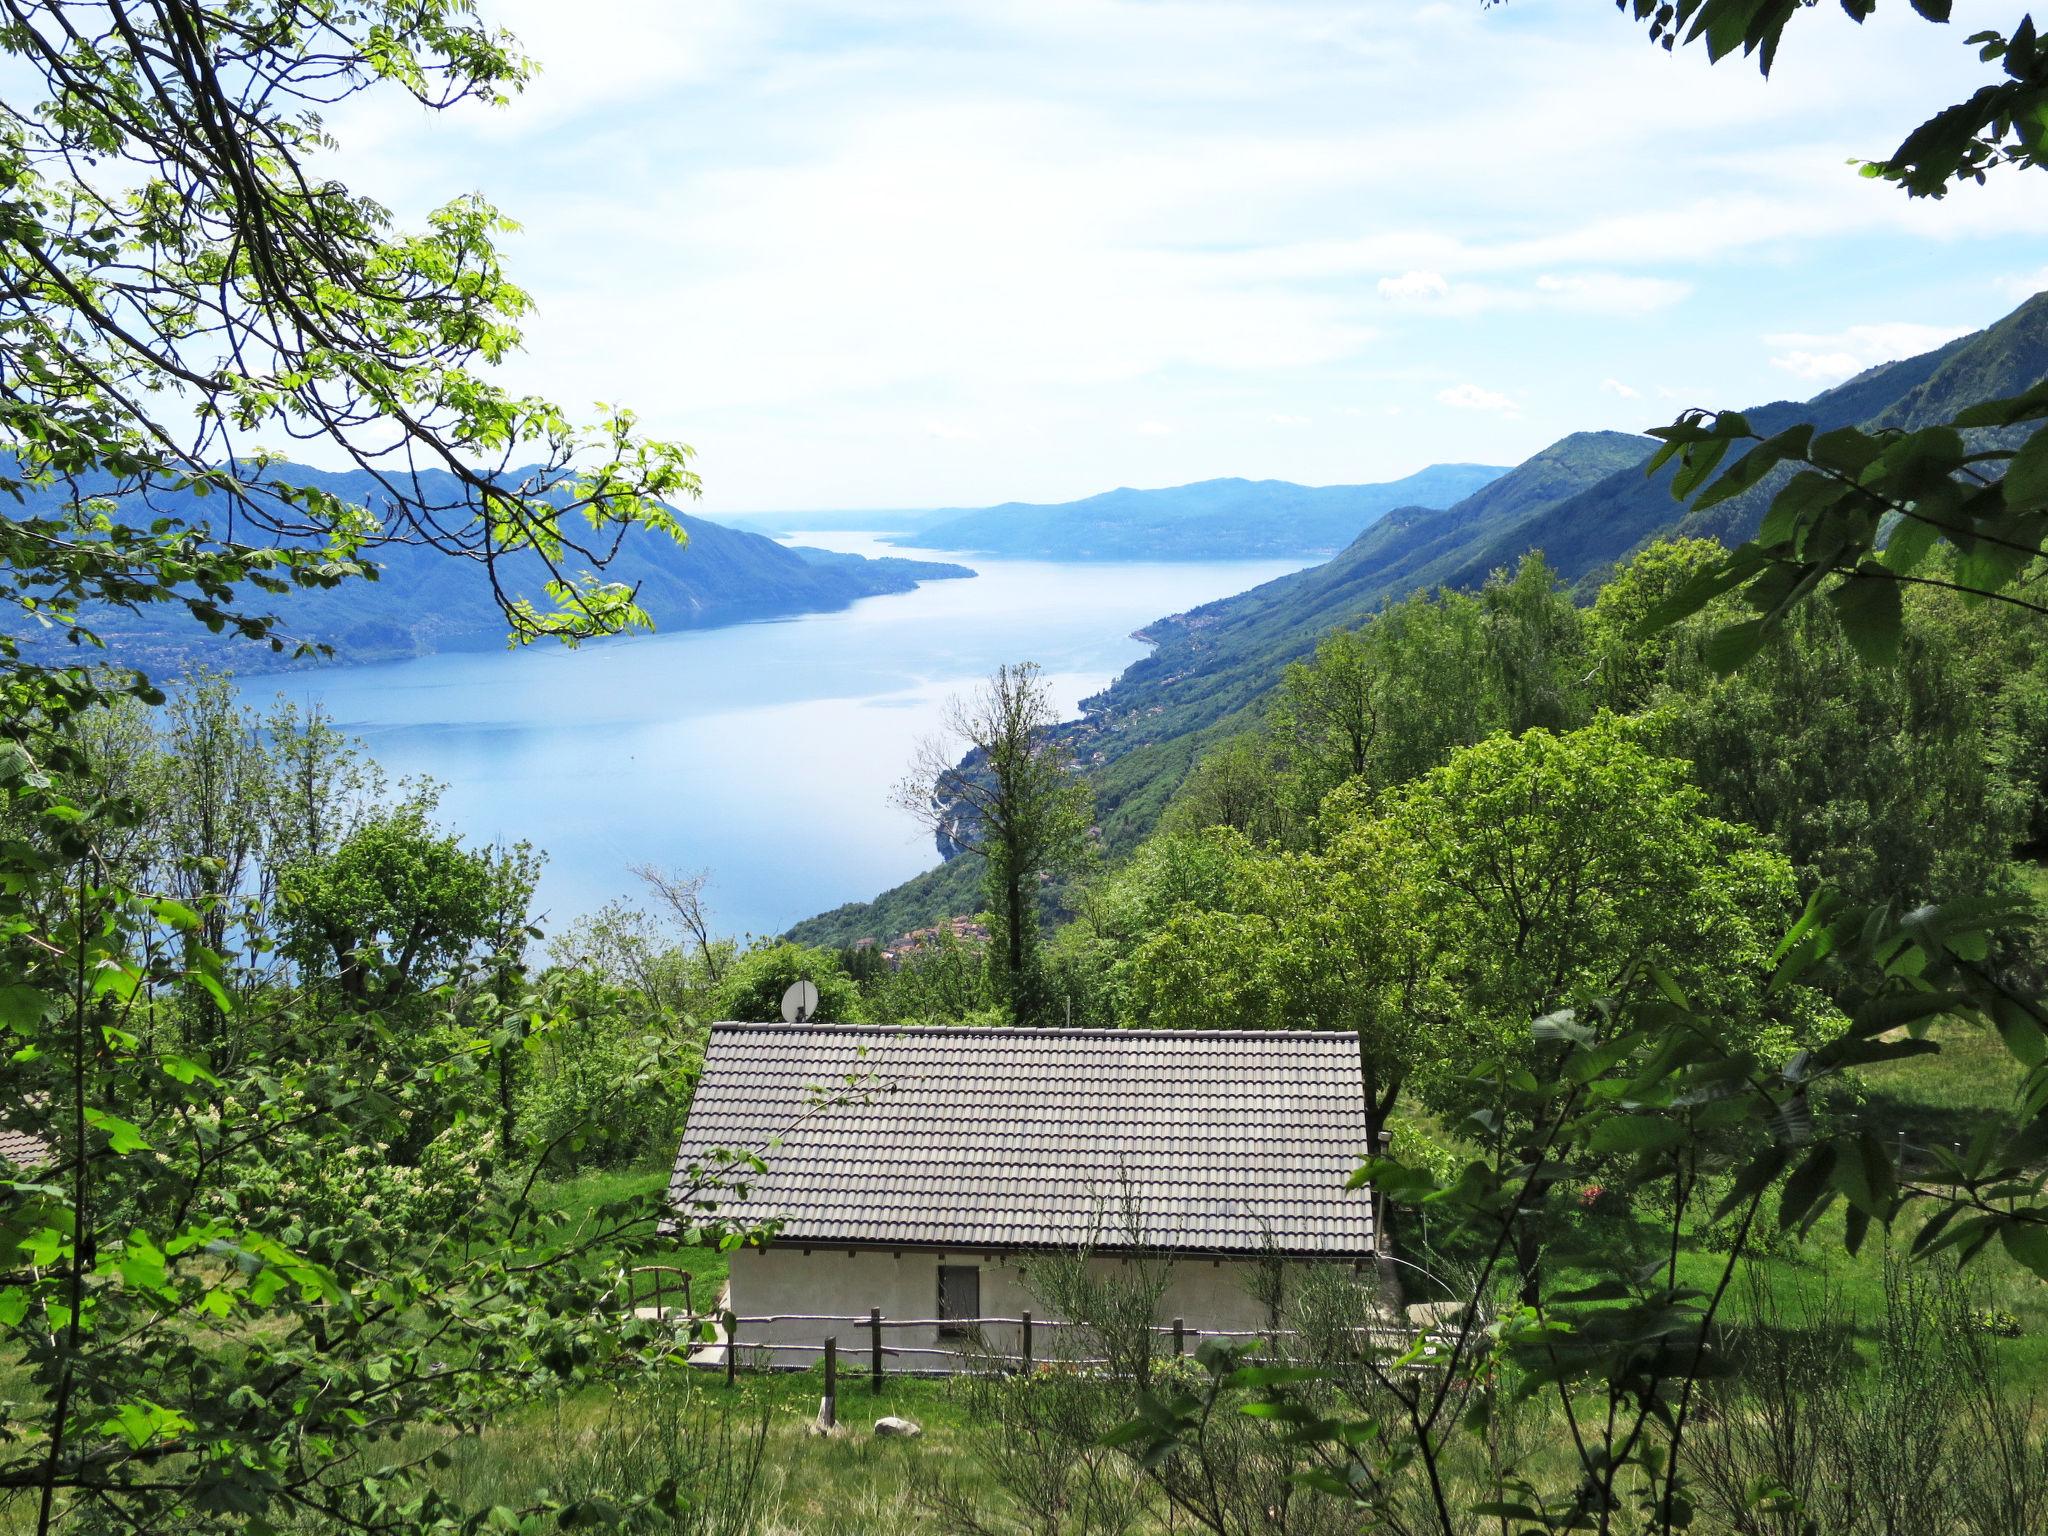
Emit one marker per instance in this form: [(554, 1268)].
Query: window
[(959, 1298)]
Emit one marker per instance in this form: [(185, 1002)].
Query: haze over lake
[(763, 753)]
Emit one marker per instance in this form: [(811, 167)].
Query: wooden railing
[(1027, 1357)]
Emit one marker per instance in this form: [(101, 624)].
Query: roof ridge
[(1030, 1032)]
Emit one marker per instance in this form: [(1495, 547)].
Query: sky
[(949, 253)]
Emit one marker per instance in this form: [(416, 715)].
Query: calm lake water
[(762, 753)]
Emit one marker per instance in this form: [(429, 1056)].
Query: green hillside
[(1585, 502), (1208, 520)]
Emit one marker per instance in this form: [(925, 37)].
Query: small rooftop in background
[(22, 1149), (1225, 1142)]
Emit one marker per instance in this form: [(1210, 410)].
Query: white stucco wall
[(784, 1279)]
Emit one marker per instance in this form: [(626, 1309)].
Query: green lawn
[(856, 1484), (582, 1197)]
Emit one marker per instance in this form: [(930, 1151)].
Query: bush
[(751, 991)]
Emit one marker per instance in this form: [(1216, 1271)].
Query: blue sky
[(948, 253)]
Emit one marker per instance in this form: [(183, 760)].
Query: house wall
[(785, 1279)]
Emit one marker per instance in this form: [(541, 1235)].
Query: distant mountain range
[(1208, 520), (424, 601), (1586, 501)]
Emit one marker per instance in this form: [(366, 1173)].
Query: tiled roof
[(1024, 1138), (21, 1149)]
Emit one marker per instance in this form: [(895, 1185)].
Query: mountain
[(1587, 502), (1209, 520), (424, 601)]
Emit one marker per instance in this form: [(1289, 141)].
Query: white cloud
[(1470, 397), (786, 222), (1282, 419), (1616, 387), (1414, 287), (1834, 356)]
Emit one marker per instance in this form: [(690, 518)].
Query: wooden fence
[(973, 1352)]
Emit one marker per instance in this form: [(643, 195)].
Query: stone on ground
[(906, 1429)]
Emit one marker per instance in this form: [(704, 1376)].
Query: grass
[(582, 1197), (848, 1485)]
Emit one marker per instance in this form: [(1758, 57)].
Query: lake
[(763, 753)]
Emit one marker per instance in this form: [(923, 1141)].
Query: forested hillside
[(1586, 502), (1228, 519), (423, 603)]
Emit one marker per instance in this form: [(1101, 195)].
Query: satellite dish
[(799, 1002)]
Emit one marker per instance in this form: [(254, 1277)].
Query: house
[(923, 1171)]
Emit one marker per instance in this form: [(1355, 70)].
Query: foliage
[(752, 987), (1859, 514), (396, 901), (263, 1237), (1883, 783), (1996, 126), (666, 1457), (1013, 802), (1933, 1434), (1437, 918), (940, 980)]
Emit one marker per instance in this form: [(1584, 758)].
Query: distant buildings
[(964, 931)]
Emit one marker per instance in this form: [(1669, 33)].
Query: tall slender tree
[(999, 785)]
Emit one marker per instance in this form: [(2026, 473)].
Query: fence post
[(732, 1347), (828, 1411), (1027, 1343), (689, 1307), (1179, 1338), (875, 1330)]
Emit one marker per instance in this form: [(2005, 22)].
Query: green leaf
[(22, 1007), (1731, 647), (2026, 477), (2027, 1242), (123, 1136), (1805, 1192), (1868, 605)]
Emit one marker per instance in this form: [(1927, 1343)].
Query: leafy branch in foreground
[(183, 289), (1855, 514)]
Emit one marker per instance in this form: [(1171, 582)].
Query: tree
[(399, 907), (222, 1291), (1886, 784), (1241, 784), (1546, 865), (1013, 801), (214, 814), (752, 988), (682, 897), (1327, 715)]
